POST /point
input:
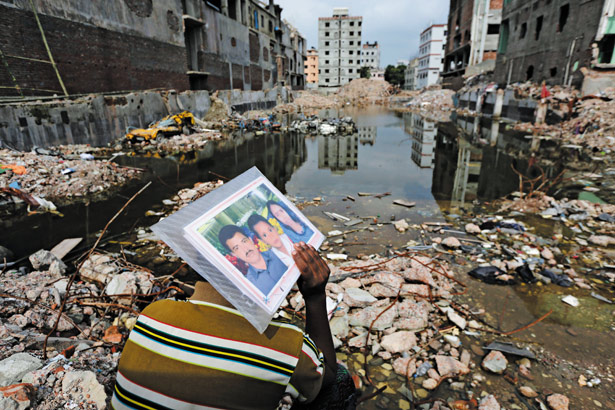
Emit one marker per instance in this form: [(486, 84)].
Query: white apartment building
[(431, 55), (339, 48), (370, 55), (410, 75)]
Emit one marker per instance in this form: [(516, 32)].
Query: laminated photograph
[(249, 236)]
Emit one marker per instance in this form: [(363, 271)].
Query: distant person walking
[(296, 230)]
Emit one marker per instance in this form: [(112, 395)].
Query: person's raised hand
[(314, 270)]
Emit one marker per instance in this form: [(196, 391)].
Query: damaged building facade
[(472, 42), (75, 46), (552, 40)]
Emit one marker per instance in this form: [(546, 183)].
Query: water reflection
[(475, 158), (423, 132), (276, 155), (339, 154)]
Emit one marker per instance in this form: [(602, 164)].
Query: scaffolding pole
[(51, 60), (13, 79)]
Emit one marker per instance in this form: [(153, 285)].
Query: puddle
[(434, 165)]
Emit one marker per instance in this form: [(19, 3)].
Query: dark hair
[(253, 220), (227, 232), (288, 211)]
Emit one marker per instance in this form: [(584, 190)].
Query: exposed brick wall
[(490, 55), (496, 4), (547, 56), (89, 59), (254, 48), (237, 76), (256, 75), (219, 77)]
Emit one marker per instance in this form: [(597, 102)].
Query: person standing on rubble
[(296, 230), (202, 354)]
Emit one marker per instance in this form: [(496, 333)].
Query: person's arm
[(312, 283)]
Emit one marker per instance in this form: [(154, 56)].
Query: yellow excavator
[(168, 126)]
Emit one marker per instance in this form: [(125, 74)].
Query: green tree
[(395, 75), (365, 72)]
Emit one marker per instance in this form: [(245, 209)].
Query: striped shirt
[(202, 355)]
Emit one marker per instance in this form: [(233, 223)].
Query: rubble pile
[(328, 126), (83, 352), (58, 175), (400, 314), (363, 91), (187, 143), (308, 101)]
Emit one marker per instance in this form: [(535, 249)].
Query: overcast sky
[(395, 24)]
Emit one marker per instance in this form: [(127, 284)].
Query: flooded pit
[(441, 167)]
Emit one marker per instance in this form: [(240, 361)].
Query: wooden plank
[(64, 247)]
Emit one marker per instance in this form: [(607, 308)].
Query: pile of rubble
[(308, 101), (400, 314), (82, 354), (58, 175), (328, 126), (364, 91), (436, 104)]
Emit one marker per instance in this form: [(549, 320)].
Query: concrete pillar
[(541, 112), (245, 12), (495, 132), (224, 10), (499, 103), (238, 11)]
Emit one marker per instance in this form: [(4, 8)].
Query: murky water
[(441, 167)]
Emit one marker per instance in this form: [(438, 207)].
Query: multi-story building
[(338, 154), (410, 75), (370, 55), (377, 74), (472, 43), (136, 45), (431, 55), (424, 134), (339, 48), (551, 41), (367, 134), (311, 67)]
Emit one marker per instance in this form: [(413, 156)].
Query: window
[(326, 43), (351, 52), (350, 70), (327, 24), (529, 73), (523, 30), (352, 33), (493, 29), (563, 17), (326, 80), (350, 62), (352, 23), (538, 27), (351, 43), (326, 71), (326, 34), (326, 61), (326, 53)]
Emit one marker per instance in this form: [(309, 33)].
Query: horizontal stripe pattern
[(310, 349), (128, 395), (232, 356)]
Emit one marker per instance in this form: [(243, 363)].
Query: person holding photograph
[(281, 245), (264, 268), (202, 353), (296, 230)]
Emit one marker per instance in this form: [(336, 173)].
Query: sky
[(395, 24)]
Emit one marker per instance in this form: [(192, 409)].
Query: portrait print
[(250, 237)]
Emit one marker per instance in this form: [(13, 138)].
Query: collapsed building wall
[(546, 40), (97, 45), (99, 119)]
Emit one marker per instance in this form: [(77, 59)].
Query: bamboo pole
[(53, 63), (11, 75)]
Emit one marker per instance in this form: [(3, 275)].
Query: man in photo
[(264, 268)]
